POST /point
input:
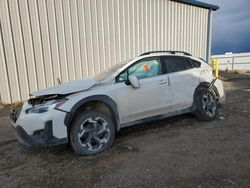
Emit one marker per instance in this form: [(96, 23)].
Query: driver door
[(152, 98)]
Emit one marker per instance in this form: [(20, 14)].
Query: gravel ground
[(176, 152)]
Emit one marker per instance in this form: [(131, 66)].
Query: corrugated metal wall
[(42, 41), (240, 61)]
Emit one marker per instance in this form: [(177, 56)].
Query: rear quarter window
[(195, 63)]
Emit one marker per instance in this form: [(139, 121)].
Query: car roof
[(166, 51), (167, 54)]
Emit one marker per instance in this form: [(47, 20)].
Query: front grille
[(14, 114)]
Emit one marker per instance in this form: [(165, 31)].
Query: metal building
[(44, 41)]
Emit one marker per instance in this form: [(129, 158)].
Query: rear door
[(183, 77)]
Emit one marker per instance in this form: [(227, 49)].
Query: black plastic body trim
[(42, 137), (101, 98), (209, 86)]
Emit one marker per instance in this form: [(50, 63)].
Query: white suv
[(87, 113)]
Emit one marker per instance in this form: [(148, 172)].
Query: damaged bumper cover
[(217, 86), (39, 128), (42, 137)]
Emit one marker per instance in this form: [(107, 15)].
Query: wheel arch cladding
[(96, 99), (208, 86)]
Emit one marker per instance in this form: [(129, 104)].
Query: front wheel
[(206, 105), (92, 132)]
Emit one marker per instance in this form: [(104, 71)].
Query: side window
[(189, 65), (145, 68), (175, 64), (195, 63)]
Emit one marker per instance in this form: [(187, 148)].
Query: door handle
[(163, 82), (169, 82)]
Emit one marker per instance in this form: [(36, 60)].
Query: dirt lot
[(176, 152)]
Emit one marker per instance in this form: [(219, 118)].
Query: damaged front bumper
[(217, 86), (42, 137), (39, 129)]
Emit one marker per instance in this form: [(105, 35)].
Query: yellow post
[(212, 63), (217, 68)]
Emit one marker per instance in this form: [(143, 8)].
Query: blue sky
[(231, 26)]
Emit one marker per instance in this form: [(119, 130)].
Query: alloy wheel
[(209, 104), (94, 133)]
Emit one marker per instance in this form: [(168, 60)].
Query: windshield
[(111, 70)]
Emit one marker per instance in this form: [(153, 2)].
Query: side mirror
[(134, 81)]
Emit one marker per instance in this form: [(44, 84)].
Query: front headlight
[(38, 110), (42, 108)]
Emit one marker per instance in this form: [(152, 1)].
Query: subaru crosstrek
[(88, 113)]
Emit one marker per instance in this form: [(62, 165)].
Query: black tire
[(206, 105), (85, 137)]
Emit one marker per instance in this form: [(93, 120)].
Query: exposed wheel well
[(95, 104), (208, 86), (100, 106)]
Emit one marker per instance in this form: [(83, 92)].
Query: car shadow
[(185, 121), (65, 152)]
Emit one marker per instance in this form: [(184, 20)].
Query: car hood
[(67, 88)]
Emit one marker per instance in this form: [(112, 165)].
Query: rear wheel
[(92, 132), (206, 105)]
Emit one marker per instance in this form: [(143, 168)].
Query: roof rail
[(171, 52)]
